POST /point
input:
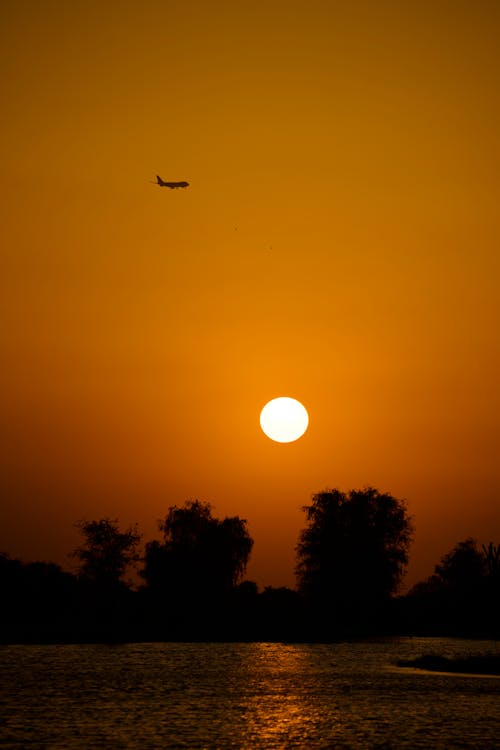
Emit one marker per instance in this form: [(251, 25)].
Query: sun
[(284, 419)]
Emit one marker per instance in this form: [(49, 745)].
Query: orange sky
[(338, 243)]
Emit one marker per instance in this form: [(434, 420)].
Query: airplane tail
[(159, 180)]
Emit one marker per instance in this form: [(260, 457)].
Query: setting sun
[(284, 419)]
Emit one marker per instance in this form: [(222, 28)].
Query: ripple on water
[(243, 695)]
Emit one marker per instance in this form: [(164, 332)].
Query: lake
[(250, 695)]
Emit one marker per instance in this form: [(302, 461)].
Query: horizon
[(133, 575)]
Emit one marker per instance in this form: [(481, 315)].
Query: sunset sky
[(338, 243)]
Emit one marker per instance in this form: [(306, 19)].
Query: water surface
[(257, 695)]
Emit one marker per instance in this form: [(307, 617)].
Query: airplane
[(171, 185)]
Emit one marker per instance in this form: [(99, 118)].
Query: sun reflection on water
[(282, 711)]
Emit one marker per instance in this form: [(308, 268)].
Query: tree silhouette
[(491, 554), (107, 552), (352, 554), (39, 600), (462, 596), (463, 568), (199, 560)]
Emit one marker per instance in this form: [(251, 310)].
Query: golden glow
[(339, 240), (284, 419)]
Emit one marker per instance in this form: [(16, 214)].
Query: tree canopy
[(350, 559), (106, 552), (353, 552), (462, 596), (199, 554), (463, 567)]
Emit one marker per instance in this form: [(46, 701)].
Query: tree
[(107, 552), (38, 600), (461, 597), (199, 556), (491, 555), (352, 555), (463, 568)]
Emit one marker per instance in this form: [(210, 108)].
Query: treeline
[(189, 584)]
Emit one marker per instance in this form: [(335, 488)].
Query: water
[(256, 695)]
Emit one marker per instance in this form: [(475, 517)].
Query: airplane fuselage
[(171, 185)]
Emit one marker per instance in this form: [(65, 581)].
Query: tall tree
[(353, 552), (106, 552), (199, 556)]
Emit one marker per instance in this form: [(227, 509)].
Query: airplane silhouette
[(171, 185)]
